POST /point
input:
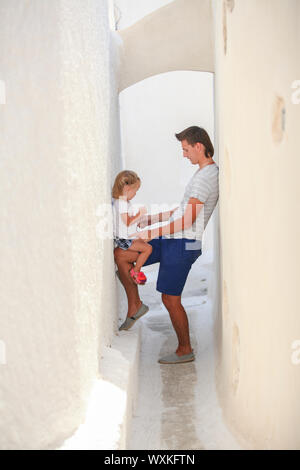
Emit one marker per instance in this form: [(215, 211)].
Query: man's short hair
[(196, 134)]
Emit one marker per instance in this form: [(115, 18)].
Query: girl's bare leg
[(144, 250)]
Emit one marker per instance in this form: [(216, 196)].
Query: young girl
[(126, 185)]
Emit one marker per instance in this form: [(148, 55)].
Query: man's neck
[(203, 164)]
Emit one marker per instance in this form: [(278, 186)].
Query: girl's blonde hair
[(122, 179)]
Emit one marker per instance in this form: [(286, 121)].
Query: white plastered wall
[(177, 36), (257, 60), (59, 137)]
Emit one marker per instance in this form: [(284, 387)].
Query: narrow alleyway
[(177, 406)]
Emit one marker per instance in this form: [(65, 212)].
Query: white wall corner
[(112, 398)]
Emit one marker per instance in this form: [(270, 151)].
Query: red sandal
[(139, 278)]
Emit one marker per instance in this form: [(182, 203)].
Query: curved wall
[(178, 36)]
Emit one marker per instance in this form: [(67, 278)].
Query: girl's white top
[(122, 206)]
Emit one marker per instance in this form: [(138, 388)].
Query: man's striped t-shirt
[(204, 185)]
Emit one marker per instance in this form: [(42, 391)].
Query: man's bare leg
[(179, 321), (124, 260)]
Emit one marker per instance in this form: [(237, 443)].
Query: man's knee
[(124, 256), (118, 253), (170, 301)]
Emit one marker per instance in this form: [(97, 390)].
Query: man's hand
[(173, 210), (143, 210), (147, 235)]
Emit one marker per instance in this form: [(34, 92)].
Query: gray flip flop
[(130, 321), (175, 359)]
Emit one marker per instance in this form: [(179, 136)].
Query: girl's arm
[(129, 220)]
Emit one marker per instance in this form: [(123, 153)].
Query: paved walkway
[(177, 407)]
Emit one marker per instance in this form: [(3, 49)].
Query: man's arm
[(193, 208), (156, 218)]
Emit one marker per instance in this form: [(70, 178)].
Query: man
[(177, 245)]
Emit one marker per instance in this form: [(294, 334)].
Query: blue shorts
[(176, 256)]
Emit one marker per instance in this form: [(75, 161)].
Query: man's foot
[(183, 351), (175, 359), (130, 321)]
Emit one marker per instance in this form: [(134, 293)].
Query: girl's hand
[(143, 222)]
